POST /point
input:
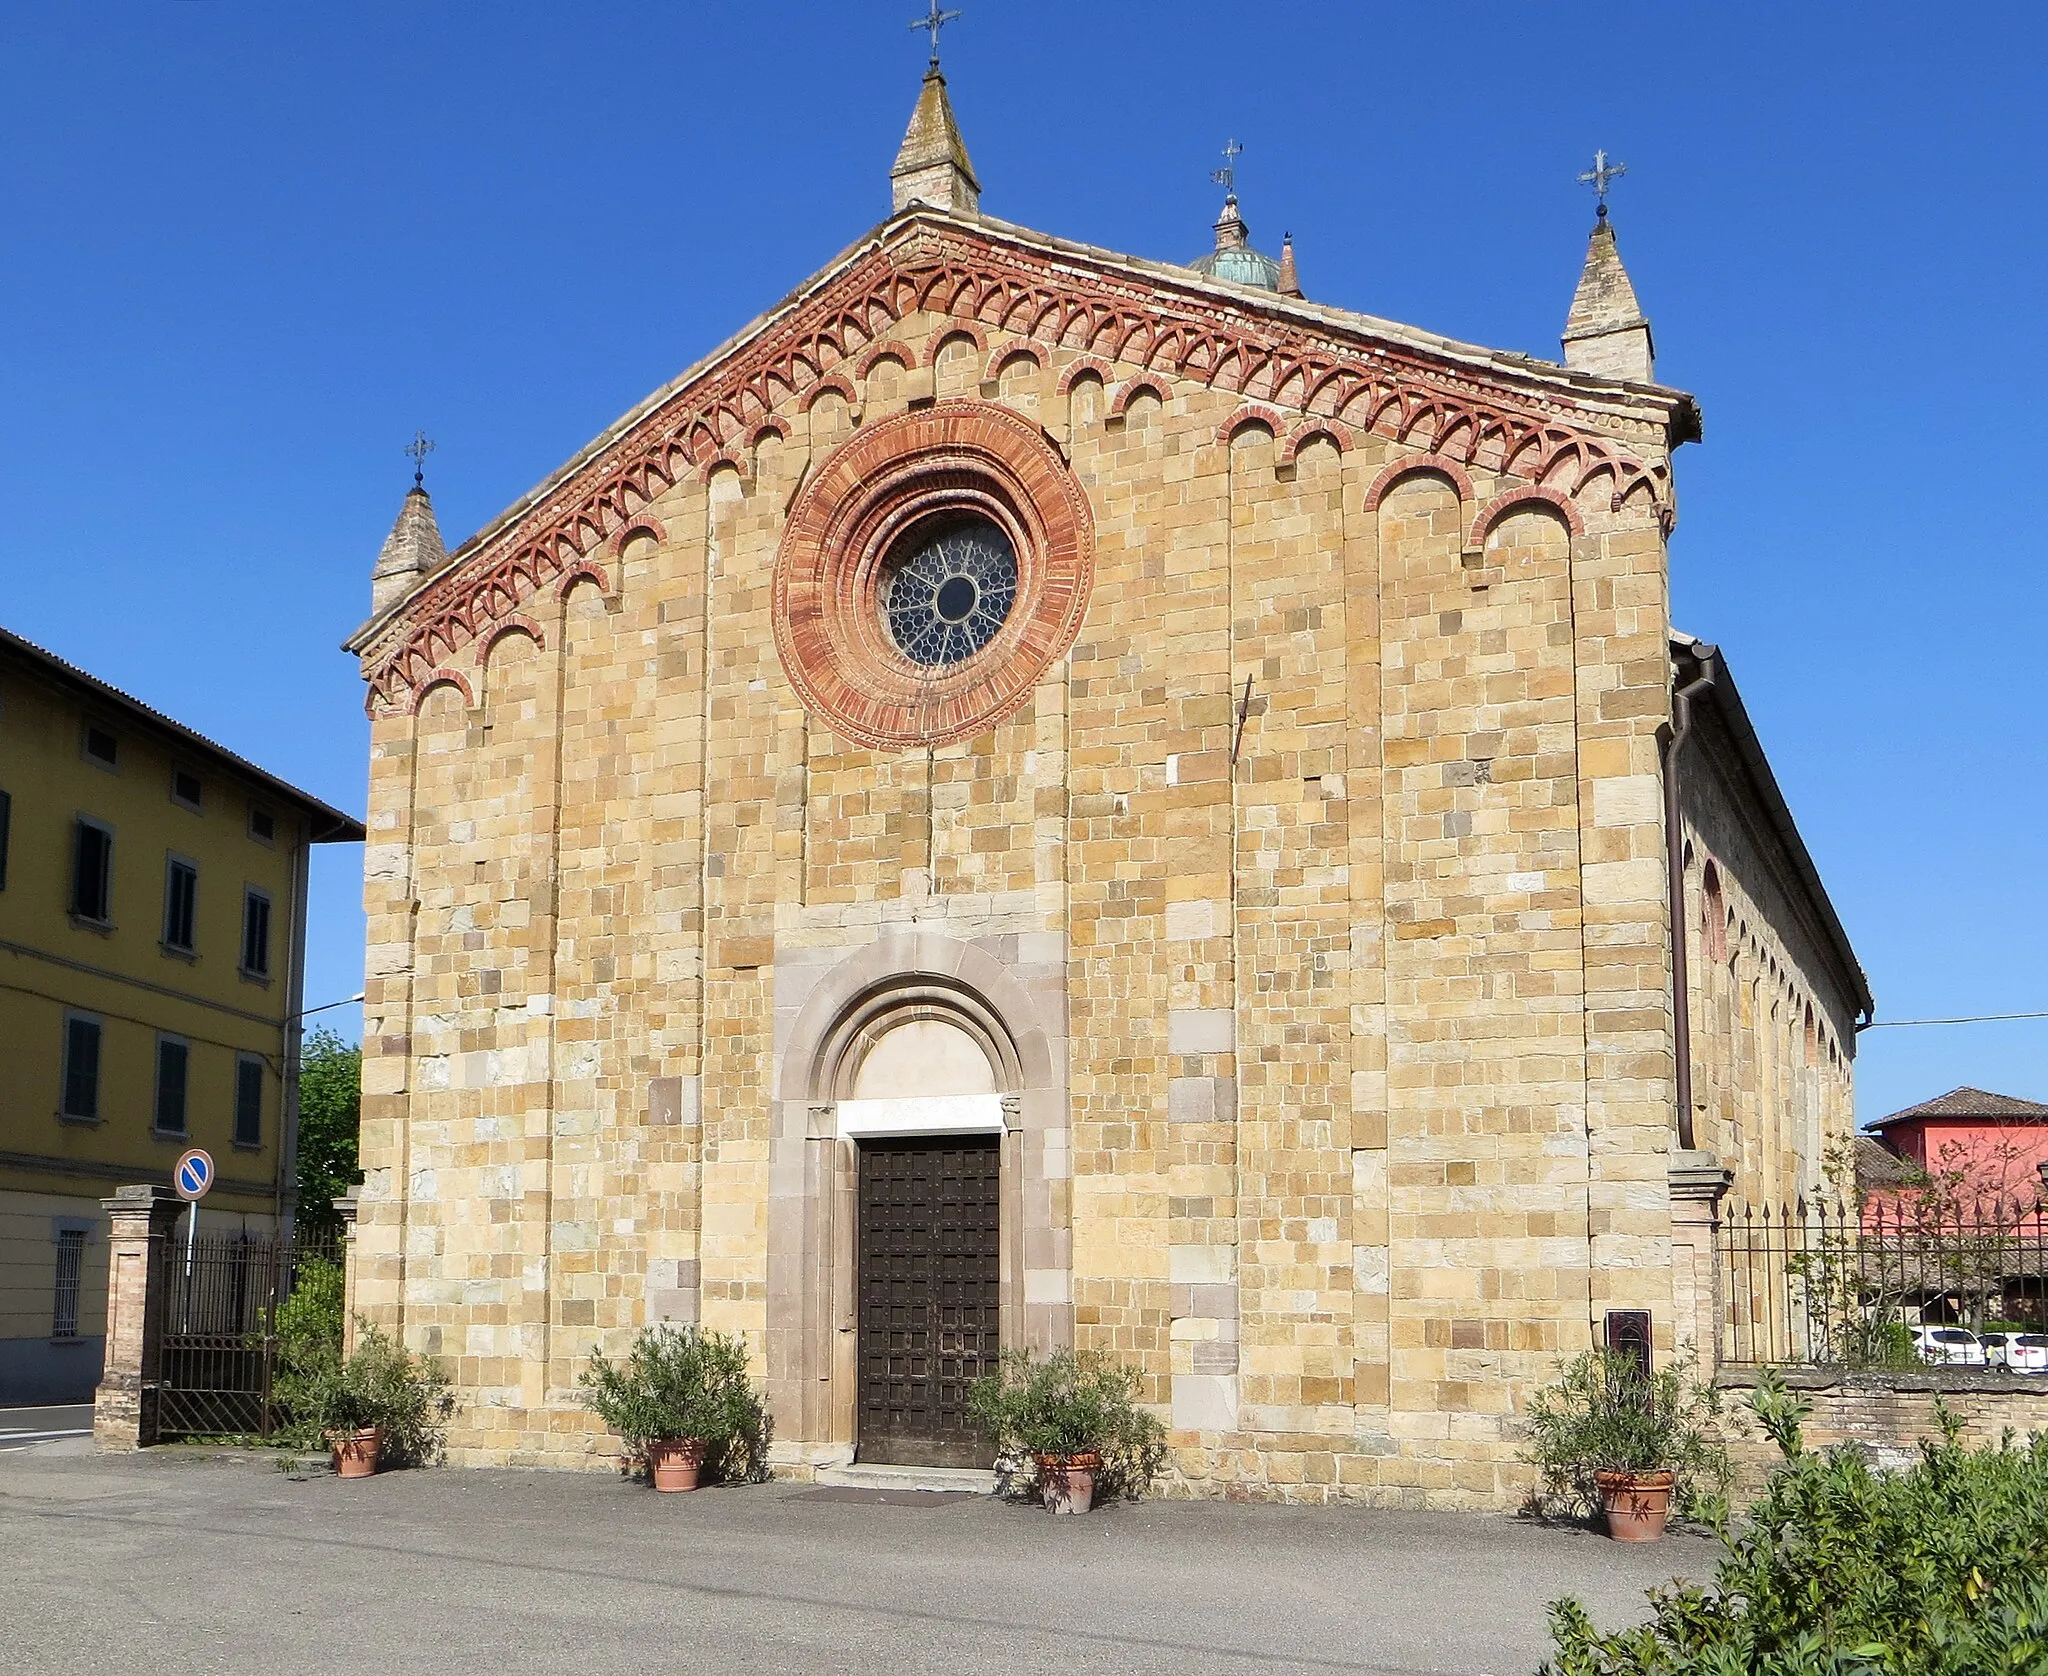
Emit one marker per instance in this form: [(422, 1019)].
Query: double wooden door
[(930, 1218)]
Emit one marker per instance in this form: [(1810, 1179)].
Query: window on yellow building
[(92, 871), (248, 1100), (256, 934), (186, 789), (6, 819), (101, 746), (181, 903), (70, 1271), (82, 1068), (173, 1059)]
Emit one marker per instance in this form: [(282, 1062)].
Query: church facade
[(1037, 797)]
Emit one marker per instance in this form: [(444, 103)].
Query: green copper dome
[(1242, 266)]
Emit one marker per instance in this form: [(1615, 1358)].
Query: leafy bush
[(1067, 1404), (308, 1328), (384, 1384), (682, 1382), (1603, 1414), (1941, 1570), (330, 1123)]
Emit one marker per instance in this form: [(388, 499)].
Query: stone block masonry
[(1327, 1017)]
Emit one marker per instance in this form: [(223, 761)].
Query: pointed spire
[(413, 549), (1606, 332), (1290, 281), (932, 166)]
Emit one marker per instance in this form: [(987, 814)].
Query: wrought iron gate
[(218, 1299)]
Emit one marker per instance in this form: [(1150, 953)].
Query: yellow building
[(152, 943)]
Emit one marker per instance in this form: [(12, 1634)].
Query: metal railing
[(219, 1298), (1829, 1284)]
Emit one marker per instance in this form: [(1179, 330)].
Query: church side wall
[(1360, 1081), (1773, 1027)]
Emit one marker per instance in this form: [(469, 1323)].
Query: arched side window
[(1714, 911)]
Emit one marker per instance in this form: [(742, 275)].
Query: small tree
[(330, 1123)]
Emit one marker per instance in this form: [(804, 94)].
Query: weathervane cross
[(1226, 177), (417, 451), (936, 21), (1600, 177)]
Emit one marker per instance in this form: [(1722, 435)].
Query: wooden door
[(929, 1303)]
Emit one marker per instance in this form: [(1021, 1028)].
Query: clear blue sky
[(249, 248)]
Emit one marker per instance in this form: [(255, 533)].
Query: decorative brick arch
[(956, 330), (887, 350), (1132, 388), (871, 492), (1304, 431), (444, 678), (1418, 465), (645, 525), (1004, 353), (584, 572), (1083, 365), (833, 384), (1521, 500), (1252, 413), (517, 623)]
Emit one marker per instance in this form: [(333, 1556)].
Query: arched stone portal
[(916, 1036)]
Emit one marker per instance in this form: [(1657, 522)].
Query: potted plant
[(679, 1400), (1608, 1438), (1075, 1417), (381, 1405)]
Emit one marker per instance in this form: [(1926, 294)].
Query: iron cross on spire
[(417, 450), (1226, 177), (1600, 177), (936, 21)]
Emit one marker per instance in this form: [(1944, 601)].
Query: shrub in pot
[(381, 1406), (681, 1401), (1610, 1440), (1075, 1417)]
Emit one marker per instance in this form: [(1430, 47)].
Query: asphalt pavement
[(181, 1563), (29, 1428)]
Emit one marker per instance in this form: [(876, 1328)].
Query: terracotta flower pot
[(357, 1453), (674, 1462), (1637, 1504), (1068, 1481)]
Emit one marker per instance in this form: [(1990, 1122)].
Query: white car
[(1953, 1346), (2017, 1352)]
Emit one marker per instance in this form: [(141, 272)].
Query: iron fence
[(1830, 1284), (219, 1298)]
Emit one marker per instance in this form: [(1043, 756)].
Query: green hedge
[(1938, 1570)]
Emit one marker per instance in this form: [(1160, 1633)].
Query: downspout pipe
[(1708, 662)]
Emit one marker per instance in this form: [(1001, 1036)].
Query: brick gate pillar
[(124, 1406), (1698, 1185), (345, 1207)]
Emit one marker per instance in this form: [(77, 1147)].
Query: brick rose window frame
[(873, 495)]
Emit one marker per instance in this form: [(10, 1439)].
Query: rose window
[(949, 592)]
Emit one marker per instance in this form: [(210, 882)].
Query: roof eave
[(1726, 702), (325, 823)]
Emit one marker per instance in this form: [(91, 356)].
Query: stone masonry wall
[(1364, 1036), (1773, 1030), (1890, 1415)]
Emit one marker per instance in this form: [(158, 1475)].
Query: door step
[(955, 1479)]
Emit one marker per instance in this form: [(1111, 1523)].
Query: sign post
[(191, 1179)]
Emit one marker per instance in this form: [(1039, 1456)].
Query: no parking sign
[(193, 1175)]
